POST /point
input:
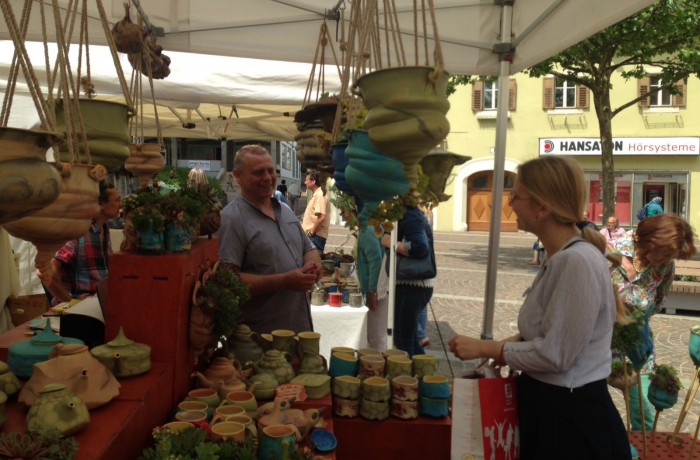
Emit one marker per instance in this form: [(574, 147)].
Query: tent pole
[(505, 50)]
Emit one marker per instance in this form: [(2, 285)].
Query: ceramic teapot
[(221, 387), (9, 383), (73, 366), (225, 369), (276, 363), (244, 344), (263, 385), (124, 357), (23, 355), (57, 407)]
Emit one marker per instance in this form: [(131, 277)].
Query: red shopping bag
[(485, 419)]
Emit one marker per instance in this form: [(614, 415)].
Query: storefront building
[(656, 147)]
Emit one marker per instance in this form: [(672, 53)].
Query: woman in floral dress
[(644, 278)]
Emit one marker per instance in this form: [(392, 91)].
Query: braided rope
[(14, 71), (115, 56)]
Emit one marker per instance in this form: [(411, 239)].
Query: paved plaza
[(458, 301)]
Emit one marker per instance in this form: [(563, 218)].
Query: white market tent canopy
[(479, 37)]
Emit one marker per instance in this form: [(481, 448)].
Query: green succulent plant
[(665, 377)]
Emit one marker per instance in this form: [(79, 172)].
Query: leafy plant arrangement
[(223, 294), (144, 208), (617, 377), (185, 206), (627, 336), (178, 177), (390, 211), (665, 377), (194, 444), (49, 445), (347, 207)]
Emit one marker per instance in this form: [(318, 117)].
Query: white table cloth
[(340, 327)]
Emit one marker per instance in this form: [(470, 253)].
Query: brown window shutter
[(512, 94), (478, 96), (582, 99), (643, 87), (679, 99), (548, 93)]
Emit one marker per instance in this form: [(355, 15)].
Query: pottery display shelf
[(122, 428)]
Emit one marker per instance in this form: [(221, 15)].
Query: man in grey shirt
[(264, 242)]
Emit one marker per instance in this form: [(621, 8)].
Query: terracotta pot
[(67, 218), (27, 182), (107, 131), (406, 112), (145, 161)]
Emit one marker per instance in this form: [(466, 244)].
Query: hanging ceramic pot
[(437, 165), (27, 182), (145, 161), (371, 174), (406, 112), (323, 110), (67, 218), (694, 345), (662, 399), (107, 131), (313, 144), (73, 366)]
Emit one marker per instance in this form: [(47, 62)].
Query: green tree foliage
[(662, 39)]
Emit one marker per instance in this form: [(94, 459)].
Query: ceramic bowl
[(346, 407), (323, 440), (435, 408), (178, 426), (406, 410), (343, 364), (226, 431), (372, 410), (192, 416), (207, 395), (376, 389), (435, 386), (347, 387)]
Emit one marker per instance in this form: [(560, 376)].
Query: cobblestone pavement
[(458, 301)]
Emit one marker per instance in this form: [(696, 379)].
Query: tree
[(662, 38)]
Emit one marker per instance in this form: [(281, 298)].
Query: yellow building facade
[(657, 147)]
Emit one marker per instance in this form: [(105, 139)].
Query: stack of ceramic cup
[(376, 393), (345, 385), (434, 396)]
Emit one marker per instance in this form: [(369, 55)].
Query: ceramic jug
[(57, 407), (9, 383), (244, 344), (124, 357), (276, 363), (312, 363)]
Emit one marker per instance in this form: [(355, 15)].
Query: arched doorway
[(479, 199)]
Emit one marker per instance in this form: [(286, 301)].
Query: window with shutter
[(512, 94), (548, 93), (582, 99), (478, 96), (679, 99), (643, 87)]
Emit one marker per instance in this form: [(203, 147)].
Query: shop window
[(480, 181), (485, 95), (661, 98), (559, 93)]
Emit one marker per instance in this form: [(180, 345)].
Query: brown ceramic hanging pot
[(145, 161), (27, 182)]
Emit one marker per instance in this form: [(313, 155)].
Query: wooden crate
[(27, 307)]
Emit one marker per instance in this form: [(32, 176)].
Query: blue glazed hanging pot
[(694, 345), (371, 174), (662, 399), (644, 349)]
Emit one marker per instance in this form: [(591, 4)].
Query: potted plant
[(195, 443), (216, 304), (49, 445), (633, 340), (622, 374), (144, 221), (664, 386)]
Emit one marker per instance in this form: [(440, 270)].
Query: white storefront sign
[(201, 164), (621, 146)]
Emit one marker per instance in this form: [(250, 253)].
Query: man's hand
[(301, 279), (315, 268)]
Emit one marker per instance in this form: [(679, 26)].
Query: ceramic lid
[(120, 340), (52, 387), (46, 336)]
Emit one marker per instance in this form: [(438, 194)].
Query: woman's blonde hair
[(558, 184)]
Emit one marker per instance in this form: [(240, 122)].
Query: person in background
[(282, 187), (81, 263), (644, 278), (293, 196), (613, 230), (537, 253), (422, 333), (586, 221), (316, 221), (262, 241), (654, 207), (280, 197), (412, 296), (565, 325)]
